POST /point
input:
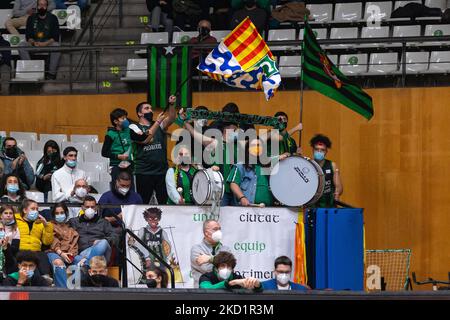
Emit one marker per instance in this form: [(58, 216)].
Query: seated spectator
[(204, 36), (80, 190), (120, 194), (60, 4), (223, 276), (179, 178), (189, 12), (16, 162), (221, 15), (11, 189), (156, 278), (283, 269), (11, 238), (42, 31), (96, 234), (258, 16), (117, 143), (35, 232), (63, 179), (28, 274), (65, 244), (202, 254), (98, 274), (247, 181), (21, 11), (46, 166), (162, 12)]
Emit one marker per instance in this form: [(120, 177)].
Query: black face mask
[(12, 152), (99, 280), (151, 283), (148, 116), (42, 11), (204, 32)]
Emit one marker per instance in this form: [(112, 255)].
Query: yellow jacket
[(38, 235)]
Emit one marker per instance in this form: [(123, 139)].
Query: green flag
[(320, 74), (168, 74)]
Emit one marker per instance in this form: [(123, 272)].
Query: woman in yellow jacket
[(35, 232)]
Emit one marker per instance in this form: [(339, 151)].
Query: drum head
[(295, 181), (201, 188)]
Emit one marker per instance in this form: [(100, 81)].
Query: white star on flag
[(169, 49)]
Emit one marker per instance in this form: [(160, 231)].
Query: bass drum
[(297, 181), (135, 277), (207, 184)]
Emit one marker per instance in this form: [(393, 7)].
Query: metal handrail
[(89, 22)]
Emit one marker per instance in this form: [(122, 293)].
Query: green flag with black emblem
[(320, 74), (169, 74)]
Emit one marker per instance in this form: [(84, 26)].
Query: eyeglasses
[(153, 218)]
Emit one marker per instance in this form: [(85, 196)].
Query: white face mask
[(81, 192), (201, 122), (217, 236), (224, 273), (123, 191), (283, 278), (89, 213)]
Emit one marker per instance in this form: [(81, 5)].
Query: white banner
[(256, 237)]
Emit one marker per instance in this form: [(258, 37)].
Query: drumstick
[(258, 205)]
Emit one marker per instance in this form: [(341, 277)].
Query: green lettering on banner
[(250, 246)]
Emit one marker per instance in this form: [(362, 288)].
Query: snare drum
[(297, 181), (206, 185)]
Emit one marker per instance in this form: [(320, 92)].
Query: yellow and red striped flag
[(243, 60)]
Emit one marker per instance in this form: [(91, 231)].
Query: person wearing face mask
[(11, 189), (179, 178), (149, 139), (282, 280), (258, 16), (247, 181), (46, 166), (35, 232), (65, 244), (21, 11), (117, 143), (156, 278), (11, 237), (333, 185), (42, 30), (97, 275), (16, 162), (96, 236), (287, 143), (204, 36), (224, 277), (80, 190), (28, 274), (202, 254), (63, 179)]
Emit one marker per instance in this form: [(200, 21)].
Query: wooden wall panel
[(396, 166)]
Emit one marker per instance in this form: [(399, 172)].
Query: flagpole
[(301, 82)]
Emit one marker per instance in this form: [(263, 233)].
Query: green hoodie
[(116, 142)]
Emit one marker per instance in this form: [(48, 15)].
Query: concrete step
[(128, 21), (87, 87)]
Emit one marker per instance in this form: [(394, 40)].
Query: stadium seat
[(35, 195), (153, 37), (97, 147), (371, 32), (56, 137), (37, 145), (384, 12), (220, 34), (383, 63), (353, 64), (80, 146), (5, 14), (94, 166), (101, 186), (343, 33), (439, 62), (3, 134), (29, 71), (416, 62), (333, 58), (406, 31), (184, 36), (92, 176), (347, 11), (320, 33), (290, 66), (321, 12), (136, 70), (437, 30), (94, 157), (33, 164), (24, 145), (14, 41), (92, 138), (403, 3), (34, 155), (30, 136), (105, 177), (281, 35), (441, 4)]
